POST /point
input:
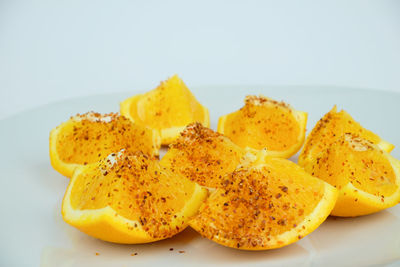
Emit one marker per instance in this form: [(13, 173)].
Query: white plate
[(33, 233)]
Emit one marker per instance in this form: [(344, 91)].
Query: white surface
[(33, 233), (52, 50)]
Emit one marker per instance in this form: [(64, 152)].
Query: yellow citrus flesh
[(168, 108), (265, 123), (129, 198), (264, 206), (333, 125), (90, 137), (202, 155), (368, 178)]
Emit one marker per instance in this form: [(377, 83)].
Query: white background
[(53, 50)]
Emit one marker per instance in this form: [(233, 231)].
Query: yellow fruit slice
[(129, 198), (368, 178), (168, 109), (264, 206), (333, 125), (92, 136), (266, 123), (202, 155)]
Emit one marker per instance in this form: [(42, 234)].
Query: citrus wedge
[(266, 123), (264, 206), (368, 178), (129, 198), (202, 155), (330, 127), (92, 136), (168, 109)]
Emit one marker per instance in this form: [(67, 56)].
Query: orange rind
[(266, 204), (367, 177), (129, 198)]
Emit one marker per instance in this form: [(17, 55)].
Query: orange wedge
[(330, 127), (202, 155), (129, 198), (92, 136), (266, 123), (167, 109), (368, 178), (265, 205)]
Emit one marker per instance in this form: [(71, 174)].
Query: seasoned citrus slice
[(330, 127), (264, 206), (266, 123), (368, 178), (202, 155), (129, 198), (168, 109), (92, 136)]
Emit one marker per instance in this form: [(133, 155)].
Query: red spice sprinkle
[(282, 222), (284, 188)]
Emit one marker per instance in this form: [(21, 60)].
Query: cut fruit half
[(264, 206), (202, 155), (92, 136), (367, 177), (266, 123), (168, 109), (331, 126), (129, 198)]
